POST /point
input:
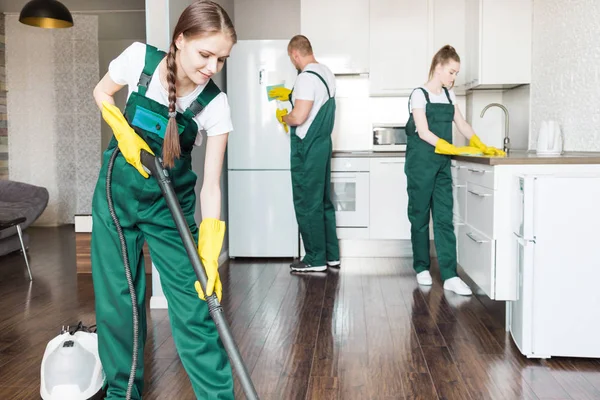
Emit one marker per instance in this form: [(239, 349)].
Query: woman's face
[(447, 72), (203, 56)]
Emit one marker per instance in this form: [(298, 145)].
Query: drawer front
[(350, 164), (481, 175), (476, 253), (480, 208)]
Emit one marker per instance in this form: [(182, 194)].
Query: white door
[(389, 208), (262, 222), (258, 141)]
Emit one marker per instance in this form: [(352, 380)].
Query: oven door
[(350, 198)]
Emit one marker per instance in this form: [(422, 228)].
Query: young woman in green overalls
[(172, 100), (429, 129)]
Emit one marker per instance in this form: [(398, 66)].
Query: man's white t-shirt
[(310, 87), (215, 119)]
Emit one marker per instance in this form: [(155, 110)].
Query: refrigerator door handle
[(473, 238), (521, 240)]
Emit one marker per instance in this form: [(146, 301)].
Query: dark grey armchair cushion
[(21, 199)]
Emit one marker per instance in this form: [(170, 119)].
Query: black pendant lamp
[(46, 14)]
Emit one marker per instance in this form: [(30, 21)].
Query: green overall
[(310, 165), (430, 189), (144, 215)]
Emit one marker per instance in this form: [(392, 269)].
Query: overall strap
[(447, 94), (322, 80), (424, 93), (210, 91), (153, 58)]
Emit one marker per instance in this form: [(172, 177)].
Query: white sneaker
[(457, 286), (424, 278), (336, 263)]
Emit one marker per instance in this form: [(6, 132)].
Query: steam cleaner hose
[(154, 166)]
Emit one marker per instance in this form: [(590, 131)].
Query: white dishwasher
[(557, 251)]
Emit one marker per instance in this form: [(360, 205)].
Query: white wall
[(116, 32), (518, 103), (566, 70), (53, 122), (267, 19)]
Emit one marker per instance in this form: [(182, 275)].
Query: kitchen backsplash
[(566, 71), (357, 112)]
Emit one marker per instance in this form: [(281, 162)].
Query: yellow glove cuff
[(476, 142)]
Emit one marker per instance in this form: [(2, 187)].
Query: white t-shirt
[(418, 100), (309, 87), (215, 119)]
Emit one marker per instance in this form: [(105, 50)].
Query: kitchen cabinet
[(448, 27), (479, 211), (399, 55), (498, 43), (339, 33), (484, 212), (389, 199), (405, 34)]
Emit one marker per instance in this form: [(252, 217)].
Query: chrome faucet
[(506, 147)]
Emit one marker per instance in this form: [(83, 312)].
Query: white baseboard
[(158, 302), (83, 223), (375, 248)]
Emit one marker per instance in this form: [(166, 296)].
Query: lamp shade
[(46, 14)]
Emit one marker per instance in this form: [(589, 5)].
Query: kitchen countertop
[(522, 157), (368, 153)]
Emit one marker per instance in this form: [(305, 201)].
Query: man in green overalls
[(311, 121)]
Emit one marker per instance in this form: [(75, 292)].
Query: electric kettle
[(550, 139)]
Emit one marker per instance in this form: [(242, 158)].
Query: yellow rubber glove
[(130, 143), (279, 114), (443, 147), (488, 151), (280, 93), (210, 241)]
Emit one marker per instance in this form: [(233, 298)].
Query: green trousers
[(144, 215)]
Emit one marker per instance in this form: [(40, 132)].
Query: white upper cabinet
[(448, 27), (405, 34), (499, 37), (339, 33), (399, 52)]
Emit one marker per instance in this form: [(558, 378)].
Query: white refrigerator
[(262, 222), (558, 256)]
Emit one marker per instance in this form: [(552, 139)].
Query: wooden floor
[(365, 332)]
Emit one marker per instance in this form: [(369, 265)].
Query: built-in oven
[(350, 191), (389, 137)]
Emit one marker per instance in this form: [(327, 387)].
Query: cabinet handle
[(479, 194), (458, 186), (477, 171), (392, 162), (479, 241)]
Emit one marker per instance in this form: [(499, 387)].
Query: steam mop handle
[(154, 165)]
